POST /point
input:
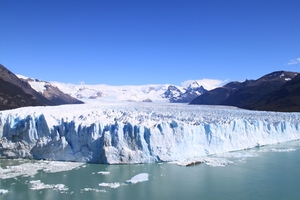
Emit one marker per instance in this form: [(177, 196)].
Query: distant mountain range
[(16, 92), (133, 93), (19, 91), (277, 91)]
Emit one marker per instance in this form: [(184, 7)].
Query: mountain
[(186, 95), (218, 95), (16, 92), (286, 98), (132, 93), (51, 92), (245, 94)]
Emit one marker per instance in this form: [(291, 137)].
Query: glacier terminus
[(123, 133)]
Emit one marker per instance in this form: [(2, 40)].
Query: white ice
[(118, 133), (2, 191), (92, 190), (30, 169), (38, 185), (104, 172), (138, 178), (111, 185)]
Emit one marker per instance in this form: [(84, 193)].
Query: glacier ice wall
[(138, 133)]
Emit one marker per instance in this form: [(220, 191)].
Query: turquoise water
[(270, 172)]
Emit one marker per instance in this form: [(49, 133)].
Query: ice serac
[(138, 133)]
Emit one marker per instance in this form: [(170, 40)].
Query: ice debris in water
[(111, 185), (210, 161), (2, 191), (138, 178), (32, 168), (91, 189), (103, 172), (278, 150), (38, 185)]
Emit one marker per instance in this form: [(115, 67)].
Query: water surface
[(270, 172)]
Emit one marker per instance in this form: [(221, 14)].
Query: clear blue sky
[(149, 41)]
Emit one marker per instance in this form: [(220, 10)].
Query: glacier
[(124, 133)]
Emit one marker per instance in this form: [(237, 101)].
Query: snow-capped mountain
[(16, 92), (50, 91), (172, 92), (185, 95), (134, 93)]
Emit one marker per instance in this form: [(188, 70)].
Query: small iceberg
[(138, 178), (38, 185), (111, 185), (2, 191), (104, 172)]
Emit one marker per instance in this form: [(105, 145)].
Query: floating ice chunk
[(92, 190), (38, 185), (138, 178), (2, 191), (111, 185), (104, 172)]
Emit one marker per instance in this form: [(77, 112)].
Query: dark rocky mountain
[(172, 92), (286, 98), (15, 93), (218, 95), (245, 94), (175, 95), (52, 93), (192, 91)]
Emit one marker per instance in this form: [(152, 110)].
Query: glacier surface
[(118, 133)]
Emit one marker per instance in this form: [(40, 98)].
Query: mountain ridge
[(246, 94), (16, 92), (139, 93)]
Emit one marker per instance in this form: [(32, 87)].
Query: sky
[(136, 42)]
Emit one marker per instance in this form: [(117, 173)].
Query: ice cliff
[(138, 133)]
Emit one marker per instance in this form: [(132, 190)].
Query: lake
[(268, 172)]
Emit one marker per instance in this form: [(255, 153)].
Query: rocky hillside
[(15, 93), (51, 92), (248, 93), (175, 95), (286, 98)]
